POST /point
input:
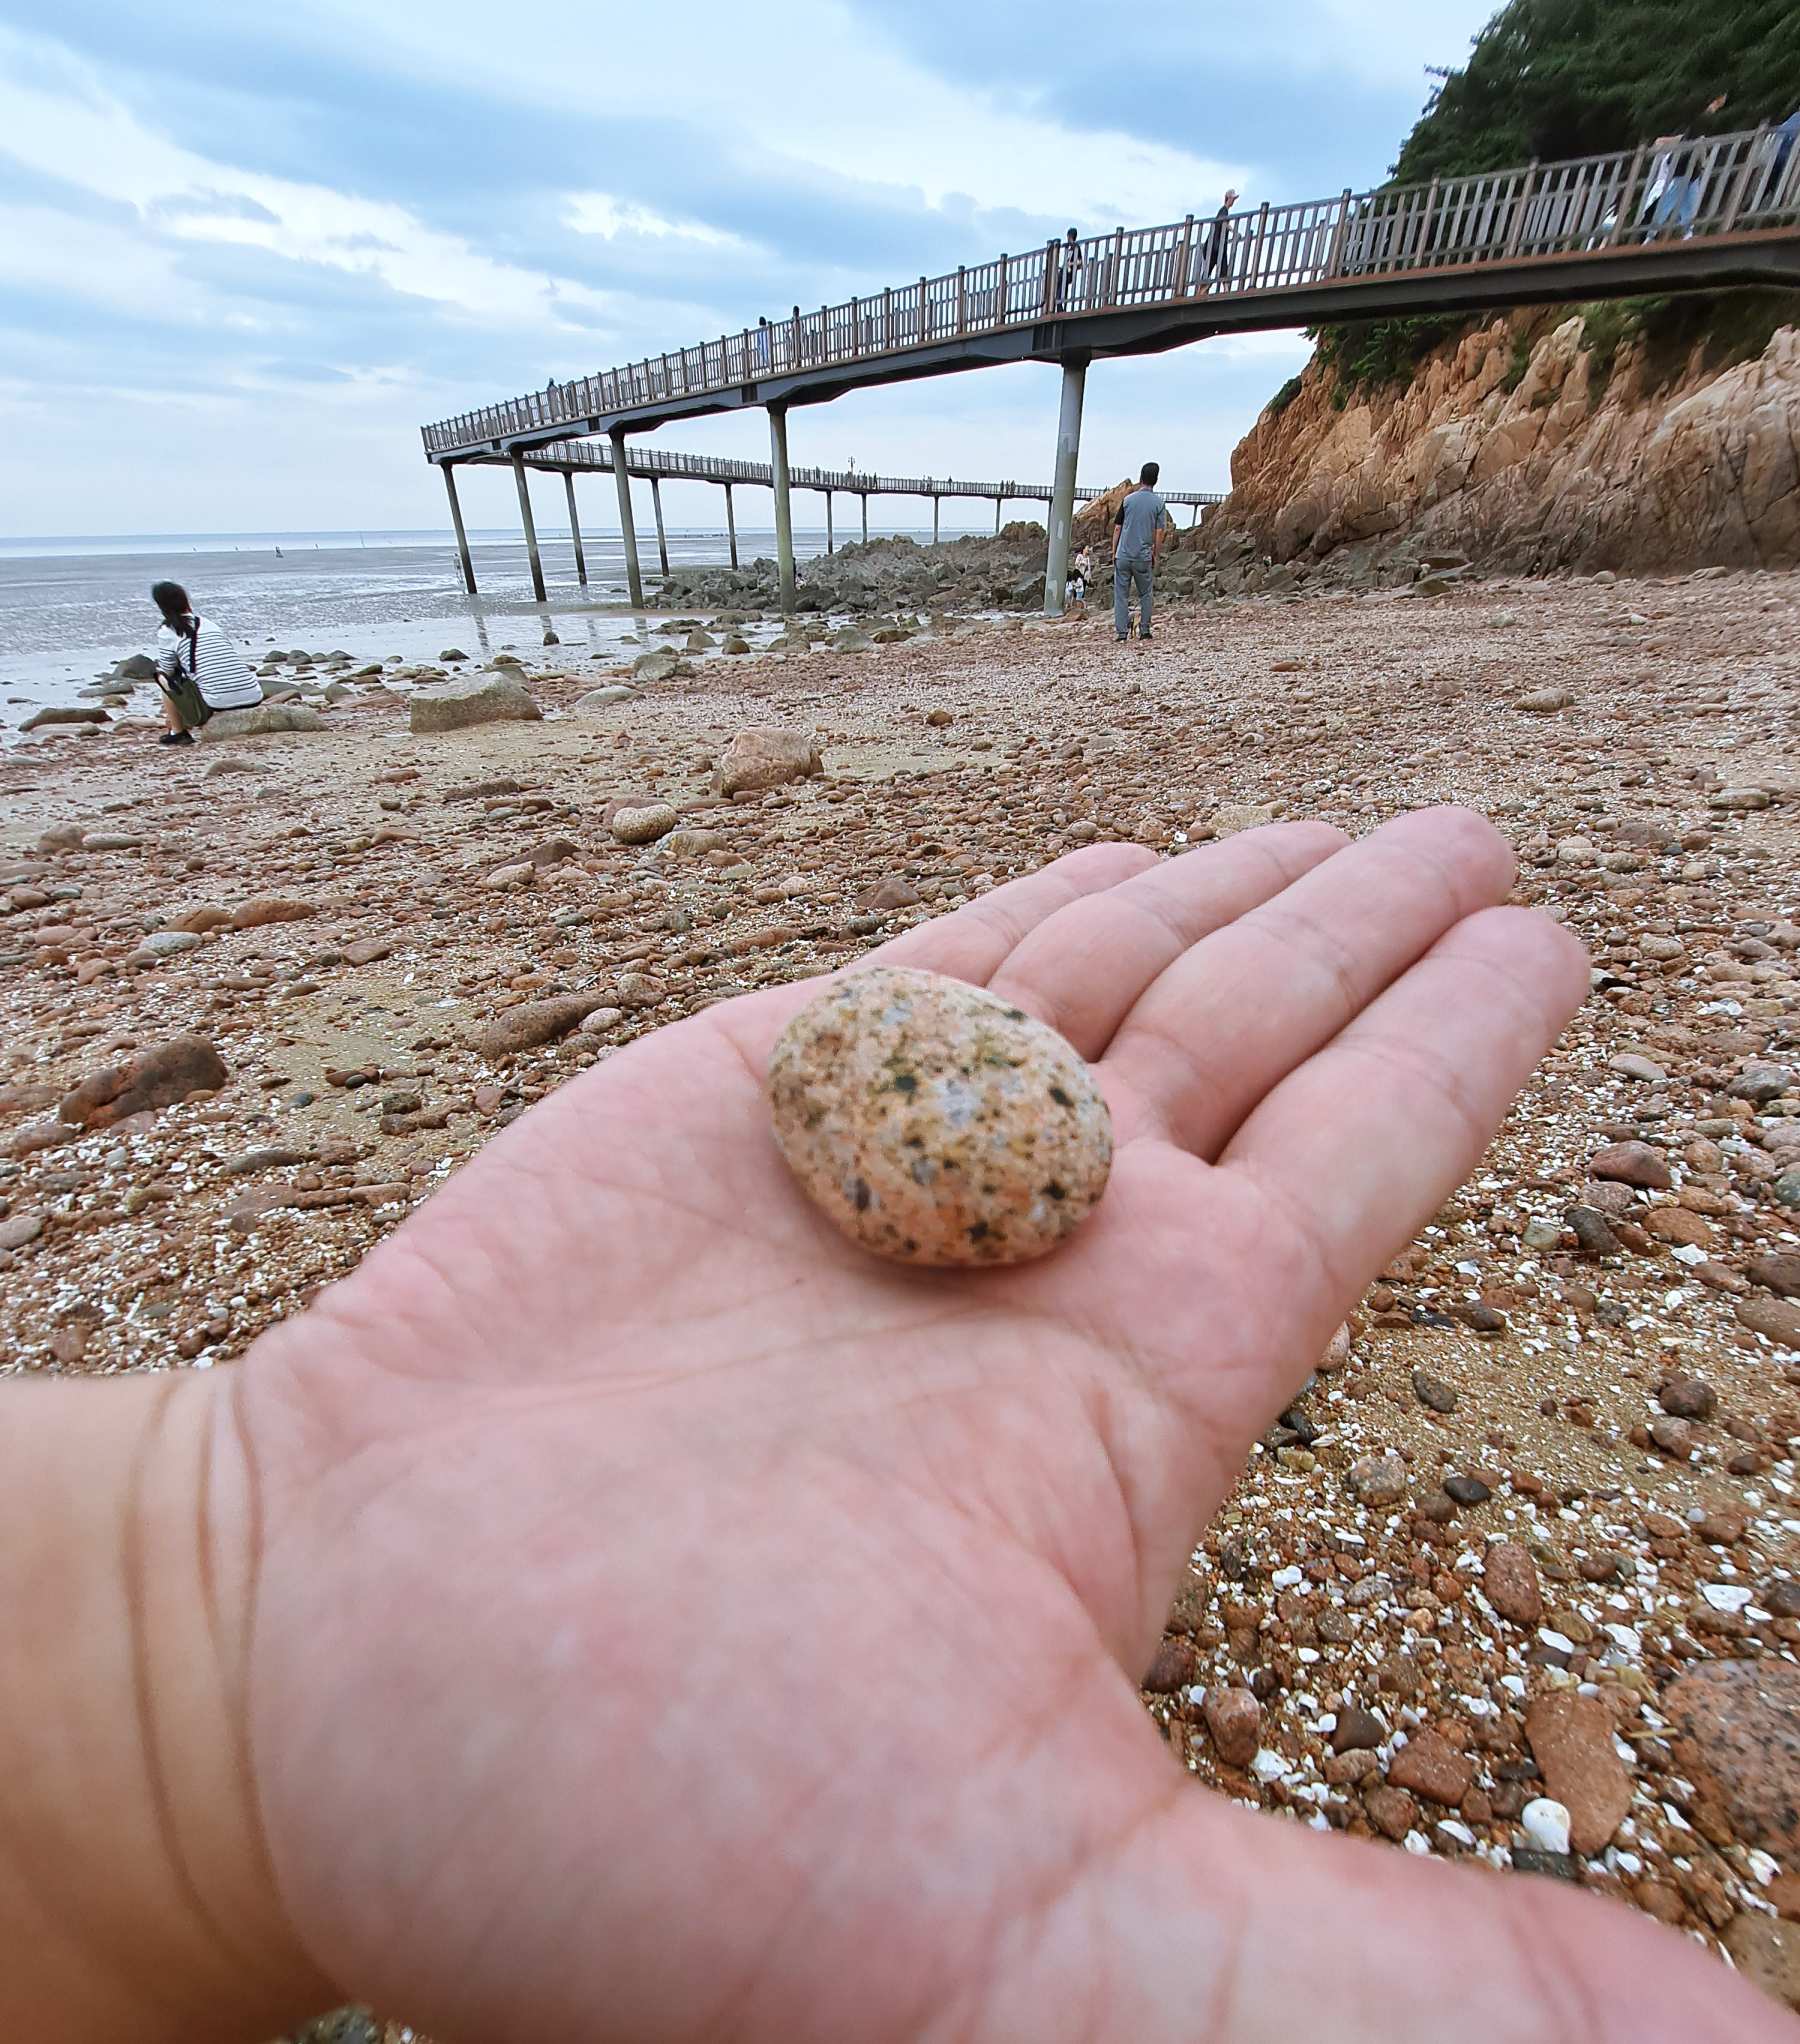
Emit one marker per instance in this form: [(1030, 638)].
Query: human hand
[(669, 1622)]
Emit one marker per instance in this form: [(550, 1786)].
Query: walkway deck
[(1589, 228)]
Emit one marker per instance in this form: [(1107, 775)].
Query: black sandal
[(176, 738)]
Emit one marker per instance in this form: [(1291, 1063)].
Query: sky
[(246, 252)]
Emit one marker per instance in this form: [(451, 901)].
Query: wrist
[(134, 1886)]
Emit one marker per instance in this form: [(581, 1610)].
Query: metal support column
[(575, 528), (731, 524), (462, 538), (935, 502), (865, 509), (830, 536), (1062, 497), (634, 579), (662, 540), (784, 515), (531, 545), (998, 501)]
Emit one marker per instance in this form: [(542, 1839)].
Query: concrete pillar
[(1062, 497), (784, 515), (865, 509), (731, 524), (935, 503), (830, 537), (998, 501), (531, 546), (662, 538), (1195, 520), (462, 538), (634, 579), (575, 528)]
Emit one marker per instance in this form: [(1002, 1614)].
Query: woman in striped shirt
[(198, 667)]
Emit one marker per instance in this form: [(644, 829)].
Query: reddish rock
[(1392, 1811), (1779, 1271), (1234, 1718), (1174, 1668), (1742, 1719), (198, 921), (1356, 1729), (253, 915), (1431, 1768), (1571, 1739), (158, 1078), (1509, 1577), (1766, 1950), (1676, 1224), (366, 950), (535, 1022), (1778, 1319), (894, 892), (1687, 1398), (1632, 1163)]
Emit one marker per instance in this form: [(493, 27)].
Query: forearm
[(135, 1899)]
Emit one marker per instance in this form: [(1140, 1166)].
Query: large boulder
[(264, 720), (767, 756), (134, 667), (157, 1078), (664, 664), (497, 698)]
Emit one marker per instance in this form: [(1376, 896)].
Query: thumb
[(1213, 1925)]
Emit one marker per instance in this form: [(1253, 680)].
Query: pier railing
[(1707, 189), (714, 468)]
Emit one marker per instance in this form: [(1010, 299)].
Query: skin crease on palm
[(668, 1622)]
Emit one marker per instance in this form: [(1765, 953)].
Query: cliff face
[(1521, 446)]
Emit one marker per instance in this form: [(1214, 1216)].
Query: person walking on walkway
[(1137, 540), (1068, 276), (197, 667), (1215, 251)]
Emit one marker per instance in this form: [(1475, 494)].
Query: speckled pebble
[(936, 1124)]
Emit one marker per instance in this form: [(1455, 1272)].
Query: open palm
[(673, 1623)]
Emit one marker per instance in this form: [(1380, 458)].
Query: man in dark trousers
[(1137, 540), (1215, 251)]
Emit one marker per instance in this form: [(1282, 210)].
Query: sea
[(70, 608)]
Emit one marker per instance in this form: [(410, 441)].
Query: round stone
[(643, 825), (935, 1123)]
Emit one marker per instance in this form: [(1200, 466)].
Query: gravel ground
[(1516, 1578)]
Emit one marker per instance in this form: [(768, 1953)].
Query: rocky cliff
[(1546, 439)]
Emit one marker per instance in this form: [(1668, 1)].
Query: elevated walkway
[(1700, 215)]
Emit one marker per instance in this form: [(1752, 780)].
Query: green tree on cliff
[(1559, 78), (1550, 79)]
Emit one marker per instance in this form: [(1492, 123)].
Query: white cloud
[(1393, 41), (101, 262), (601, 214), (812, 89), (72, 129)]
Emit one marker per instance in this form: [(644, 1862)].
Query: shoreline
[(1657, 811)]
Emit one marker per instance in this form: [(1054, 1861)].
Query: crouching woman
[(197, 666)]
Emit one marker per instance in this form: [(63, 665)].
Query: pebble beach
[(1517, 1578)]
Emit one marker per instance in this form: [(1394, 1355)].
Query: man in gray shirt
[(1137, 540)]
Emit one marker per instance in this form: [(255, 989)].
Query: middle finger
[(1236, 1013)]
